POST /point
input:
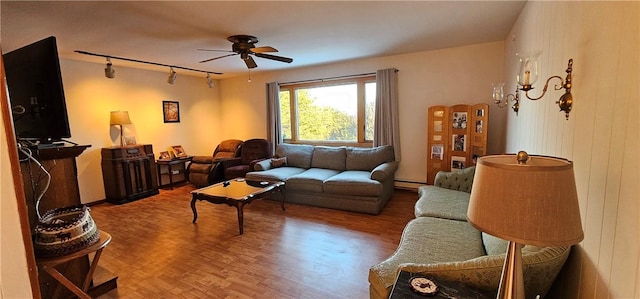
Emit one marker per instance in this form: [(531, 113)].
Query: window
[(336, 112)]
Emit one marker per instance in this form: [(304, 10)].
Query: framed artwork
[(437, 152), (165, 155), (178, 151), (458, 163), (459, 142), (171, 111), (459, 120), (129, 140)]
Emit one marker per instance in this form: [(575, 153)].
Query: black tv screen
[(36, 94)]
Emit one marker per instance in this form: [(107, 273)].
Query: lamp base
[(512, 280)]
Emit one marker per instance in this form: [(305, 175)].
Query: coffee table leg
[(193, 208), (240, 208)]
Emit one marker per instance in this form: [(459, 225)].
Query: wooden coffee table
[(236, 193)]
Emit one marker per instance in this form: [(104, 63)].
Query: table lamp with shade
[(120, 118), (526, 200)]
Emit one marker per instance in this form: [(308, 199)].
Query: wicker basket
[(65, 230)]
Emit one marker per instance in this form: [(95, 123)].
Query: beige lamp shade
[(533, 203), (120, 118)]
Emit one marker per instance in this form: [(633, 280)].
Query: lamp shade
[(120, 118), (534, 202)]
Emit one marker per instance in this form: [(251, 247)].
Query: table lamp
[(120, 118), (528, 200)]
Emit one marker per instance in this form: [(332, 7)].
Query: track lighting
[(109, 72), (209, 80), (172, 76)]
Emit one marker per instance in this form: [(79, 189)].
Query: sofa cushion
[(427, 240), (494, 245), (353, 182), (368, 158), (310, 180), (442, 203), (298, 155), (274, 174), (329, 157)]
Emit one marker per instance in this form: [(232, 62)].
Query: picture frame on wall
[(171, 111)]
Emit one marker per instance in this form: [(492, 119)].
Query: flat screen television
[(36, 94)]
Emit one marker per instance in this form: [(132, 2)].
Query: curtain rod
[(328, 78), (147, 62)]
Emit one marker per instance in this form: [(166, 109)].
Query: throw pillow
[(278, 162)]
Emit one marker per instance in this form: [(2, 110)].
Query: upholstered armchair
[(206, 170), (251, 152)]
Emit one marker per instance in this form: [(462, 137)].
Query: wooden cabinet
[(455, 135), (129, 173)]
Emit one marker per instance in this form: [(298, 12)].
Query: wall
[(90, 97), (601, 135), (461, 75)]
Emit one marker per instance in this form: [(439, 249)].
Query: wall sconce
[(500, 100), (528, 74)]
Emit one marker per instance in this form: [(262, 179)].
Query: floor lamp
[(526, 200), (120, 118)]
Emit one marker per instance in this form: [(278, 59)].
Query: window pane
[(327, 113), (369, 109), (285, 114)]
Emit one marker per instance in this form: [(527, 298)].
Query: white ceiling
[(310, 32)]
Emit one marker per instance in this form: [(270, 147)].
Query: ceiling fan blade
[(274, 57), (214, 50), (250, 62), (223, 56), (264, 49)]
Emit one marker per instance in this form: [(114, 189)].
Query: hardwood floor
[(303, 252)]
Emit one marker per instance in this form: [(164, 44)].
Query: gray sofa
[(440, 243), (345, 178)]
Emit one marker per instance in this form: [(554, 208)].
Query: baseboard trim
[(407, 185)]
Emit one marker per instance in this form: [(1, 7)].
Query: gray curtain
[(386, 128), (274, 132)]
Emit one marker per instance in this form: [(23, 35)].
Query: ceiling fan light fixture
[(172, 76)]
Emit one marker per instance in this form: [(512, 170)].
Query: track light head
[(172, 76), (109, 72), (209, 80)]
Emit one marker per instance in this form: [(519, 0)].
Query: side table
[(49, 264), (446, 289), (172, 168)]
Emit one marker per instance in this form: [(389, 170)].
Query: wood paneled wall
[(601, 135)]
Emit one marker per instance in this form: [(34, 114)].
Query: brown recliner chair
[(252, 151), (207, 170)]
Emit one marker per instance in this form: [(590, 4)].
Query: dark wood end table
[(236, 193), (446, 289), (173, 167)]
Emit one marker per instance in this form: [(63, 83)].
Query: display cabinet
[(455, 135)]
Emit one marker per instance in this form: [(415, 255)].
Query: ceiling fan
[(244, 45)]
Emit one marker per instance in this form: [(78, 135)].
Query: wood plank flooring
[(303, 252)]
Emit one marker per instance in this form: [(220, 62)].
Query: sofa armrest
[(384, 170), (262, 165), (202, 160), (231, 162), (460, 180), (540, 268)]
